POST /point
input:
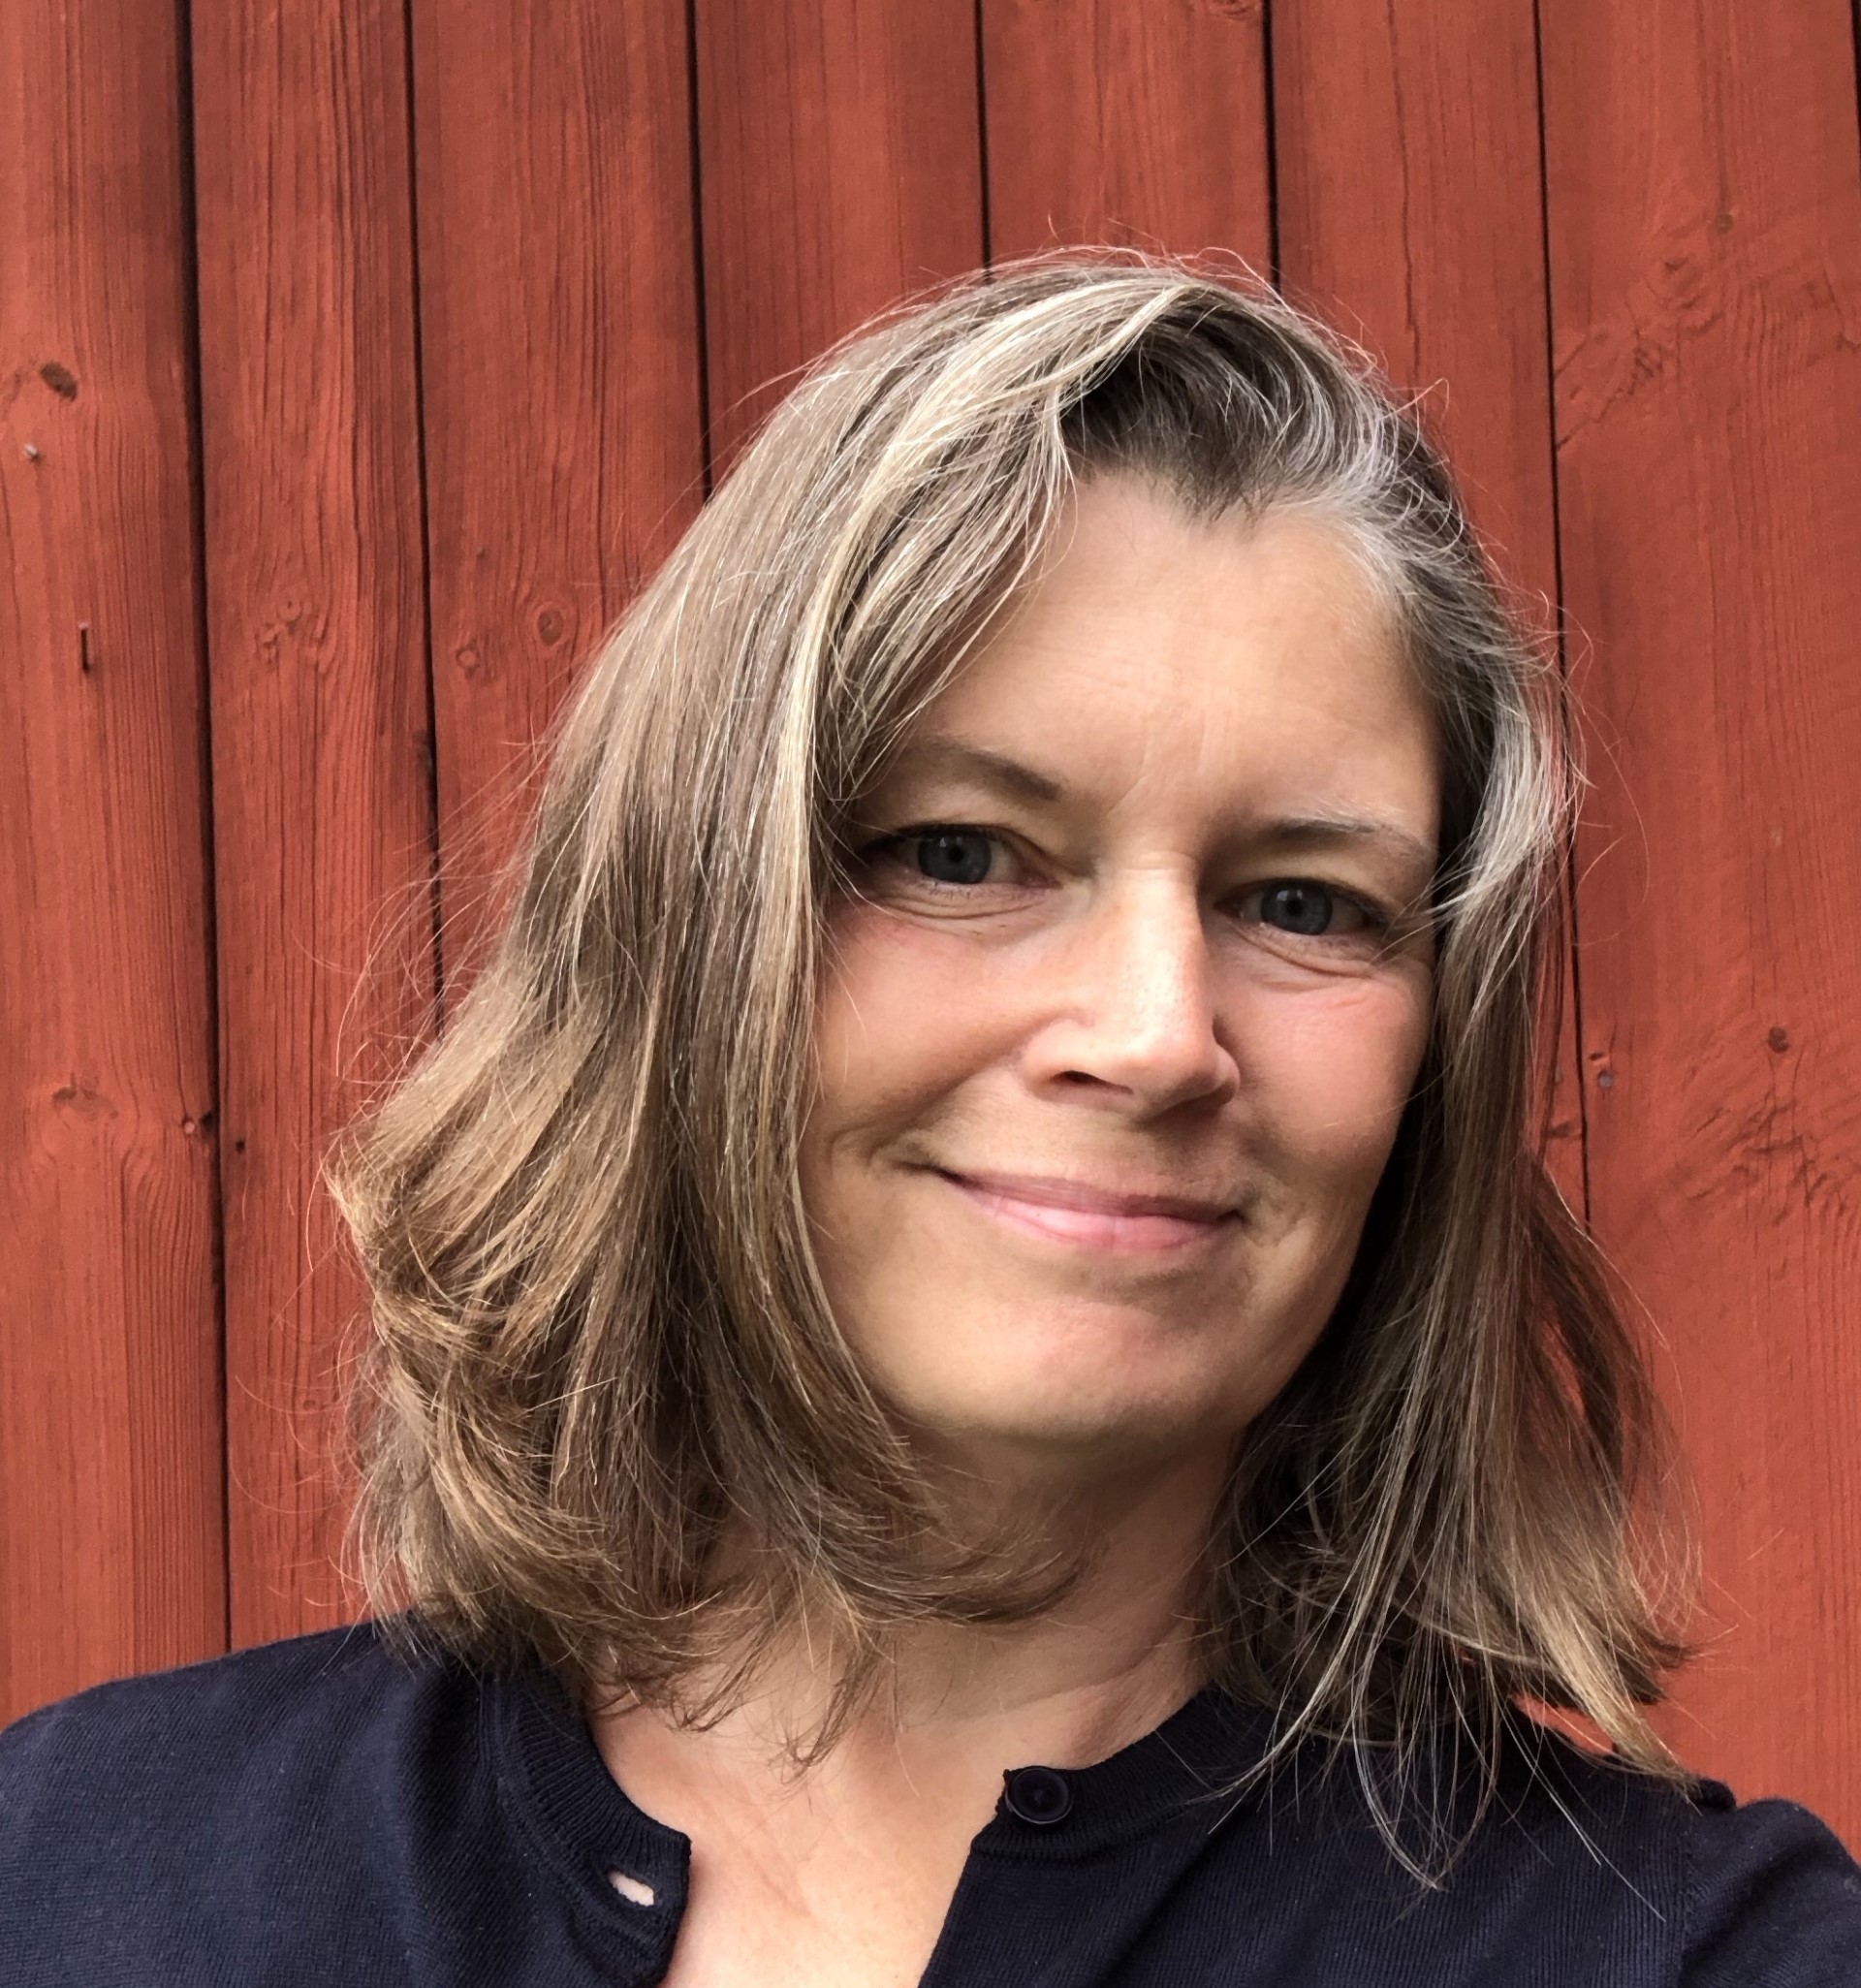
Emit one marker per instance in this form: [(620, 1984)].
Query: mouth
[(1091, 1218)]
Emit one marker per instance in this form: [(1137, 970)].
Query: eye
[(1309, 909), (954, 856), (945, 855)]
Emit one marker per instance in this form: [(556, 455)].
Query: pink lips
[(1090, 1218)]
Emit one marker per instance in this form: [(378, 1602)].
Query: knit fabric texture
[(319, 1810)]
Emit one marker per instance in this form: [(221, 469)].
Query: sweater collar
[(579, 1822), (1183, 1773), (1179, 1774)]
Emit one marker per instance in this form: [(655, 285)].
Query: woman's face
[(1119, 1027)]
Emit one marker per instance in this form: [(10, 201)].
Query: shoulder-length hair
[(599, 1341)]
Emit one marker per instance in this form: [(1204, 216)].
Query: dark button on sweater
[(1037, 1795), (315, 1811)]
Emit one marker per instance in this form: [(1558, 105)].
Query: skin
[(1145, 975)]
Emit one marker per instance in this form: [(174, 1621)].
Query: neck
[(954, 1700), (855, 1860)]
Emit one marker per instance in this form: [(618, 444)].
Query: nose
[(1132, 1007)]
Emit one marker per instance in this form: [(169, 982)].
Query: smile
[(1112, 1224)]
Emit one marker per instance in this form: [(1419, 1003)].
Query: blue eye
[(947, 855), (953, 855), (1306, 908)]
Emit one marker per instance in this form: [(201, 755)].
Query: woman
[(975, 1375)]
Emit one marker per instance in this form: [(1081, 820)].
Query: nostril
[(630, 1888)]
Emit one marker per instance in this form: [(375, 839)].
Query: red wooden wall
[(356, 362)]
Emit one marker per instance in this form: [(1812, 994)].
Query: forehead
[(1199, 662)]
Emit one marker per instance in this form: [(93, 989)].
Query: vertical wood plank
[(561, 372), (110, 1537), (1143, 125), (317, 640), (1705, 220), (842, 171), (1411, 215)]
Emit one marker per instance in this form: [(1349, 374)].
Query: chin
[(1068, 1423)]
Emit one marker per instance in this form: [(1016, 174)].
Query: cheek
[(1326, 1074), (1340, 1066), (899, 1021)]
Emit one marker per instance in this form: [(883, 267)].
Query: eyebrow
[(948, 756), (1308, 831), (991, 769)]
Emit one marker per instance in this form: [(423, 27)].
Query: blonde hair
[(598, 1333)]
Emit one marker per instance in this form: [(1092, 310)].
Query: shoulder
[(274, 1672), (166, 1815), (1577, 1871), (1729, 1895), (1770, 1896), (181, 1741)]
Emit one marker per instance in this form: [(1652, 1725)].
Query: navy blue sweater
[(316, 1812)]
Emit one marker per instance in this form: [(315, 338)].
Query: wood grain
[(1411, 216), (561, 370), (486, 338), (1142, 125), (1705, 220), (111, 1554), (322, 801), (840, 165)]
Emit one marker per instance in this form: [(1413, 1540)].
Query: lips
[(1093, 1217), (1049, 1192)]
